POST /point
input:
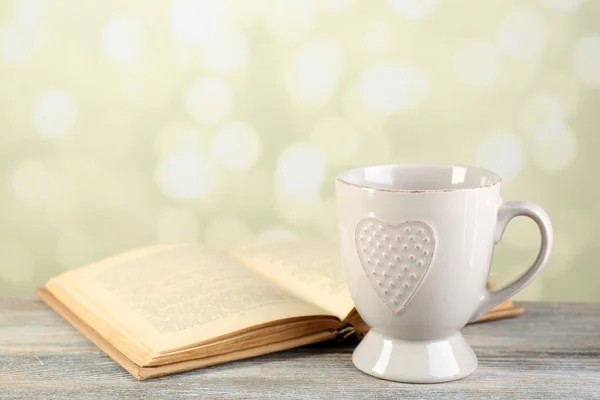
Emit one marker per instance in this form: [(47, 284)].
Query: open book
[(175, 307)]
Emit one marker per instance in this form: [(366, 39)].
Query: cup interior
[(418, 177)]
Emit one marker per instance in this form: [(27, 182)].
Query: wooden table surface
[(551, 352)]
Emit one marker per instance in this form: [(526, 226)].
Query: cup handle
[(506, 212)]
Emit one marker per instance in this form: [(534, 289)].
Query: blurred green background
[(129, 123)]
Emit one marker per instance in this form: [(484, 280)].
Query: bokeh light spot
[(32, 182), (226, 54), (54, 113), (300, 172), (586, 60), (554, 146), (567, 88), (315, 70), (337, 140), (185, 176), (539, 108), (179, 138), (209, 100), (16, 44), (29, 13), (386, 88), (198, 21), (236, 145), (122, 38), (563, 6), (477, 63), (414, 9), (246, 13), (502, 153), (333, 6), (523, 33), (291, 20), (355, 110)]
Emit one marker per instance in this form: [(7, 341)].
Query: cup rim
[(495, 178)]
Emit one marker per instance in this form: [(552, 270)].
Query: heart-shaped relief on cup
[(396, 258)]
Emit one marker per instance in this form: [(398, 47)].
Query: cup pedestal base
[(409, 361)]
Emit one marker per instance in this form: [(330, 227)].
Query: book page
[(170, 296), (310, 271)]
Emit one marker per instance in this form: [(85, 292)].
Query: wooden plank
[(553, 351)]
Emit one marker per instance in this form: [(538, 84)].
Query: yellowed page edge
[(123, 317), (142, 373)]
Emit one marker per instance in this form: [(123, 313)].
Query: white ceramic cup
[(417, 243)]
